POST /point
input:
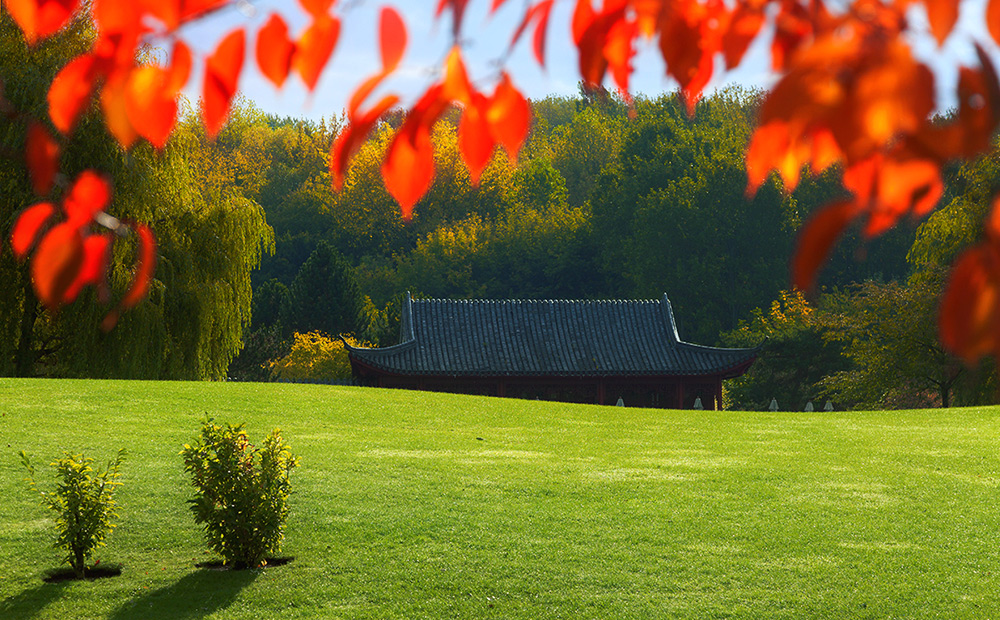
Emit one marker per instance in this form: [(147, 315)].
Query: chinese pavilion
[(565, 350)]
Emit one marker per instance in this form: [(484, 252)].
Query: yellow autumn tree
[(315, 357)]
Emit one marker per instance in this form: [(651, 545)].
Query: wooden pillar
[(718, 394), (680, 394), (601, 392), (501, 388)]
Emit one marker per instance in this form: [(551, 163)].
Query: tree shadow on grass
[(30, 602), (197, 595)]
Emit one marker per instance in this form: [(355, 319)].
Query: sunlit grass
[(415, 505)]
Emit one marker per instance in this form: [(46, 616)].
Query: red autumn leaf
[(96, 254), (150, 104), (456, 85), (691, 34), (474, 140), (167, 11), (362, 92), (792, 27), (968, 320), (90, 194), (458, 11), (392, 38), (942, 15), (970, 134), (317, 8), (42, 153), (180, 67), (744, 26), (144, 267), (538, 13), (27, 227), (56, 264), (39, 19), (275, 50), (350, 139), (907, 185), (815, 241), (222, 73), (619, 50), (590, 33), (314, 48), (116, 116), (509, 117), (993, 19), (70, 91), (408, 169)]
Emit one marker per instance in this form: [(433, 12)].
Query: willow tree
[(209, 238)]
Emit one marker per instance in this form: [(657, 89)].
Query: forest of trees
[(604, 202)]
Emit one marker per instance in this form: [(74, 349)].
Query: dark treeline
[(603, 202)]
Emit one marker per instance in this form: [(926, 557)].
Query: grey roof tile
[(511, 337)]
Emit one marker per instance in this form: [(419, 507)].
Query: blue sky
[(485, 40)]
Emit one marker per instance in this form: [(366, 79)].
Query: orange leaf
[(392, 38), (42, 153), (317, 8), (350, 139), (942, 15), (96, 254), (619, 50), (968, 320), (91, 192), (56, 264), (904, 186), (116, 117), (39, 19), (993, 19), (70, 91), (144, 267), (314, 48), (150, 104), (167, 11), (744, 26), (28, 225), (193, 9), (275, 50), (456, 86), (408, 169), (509, 117), (362, 92), (474, 140), (222, 73), (691, 34), (180, 67), (815, 241)]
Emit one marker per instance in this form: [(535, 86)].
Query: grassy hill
[(416, 505)]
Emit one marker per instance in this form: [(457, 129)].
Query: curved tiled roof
[(546, 337)]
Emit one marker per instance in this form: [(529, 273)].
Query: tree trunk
[(24, 362)]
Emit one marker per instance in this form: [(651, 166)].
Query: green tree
[(889, 332), (324, 296), (671, 215), (794, 358)]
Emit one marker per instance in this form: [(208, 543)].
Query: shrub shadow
[(30, 602), (199, 594)]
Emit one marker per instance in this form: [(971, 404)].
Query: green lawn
[(414, 505)]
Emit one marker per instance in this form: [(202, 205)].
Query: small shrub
[(242, 492), (84, 502)]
